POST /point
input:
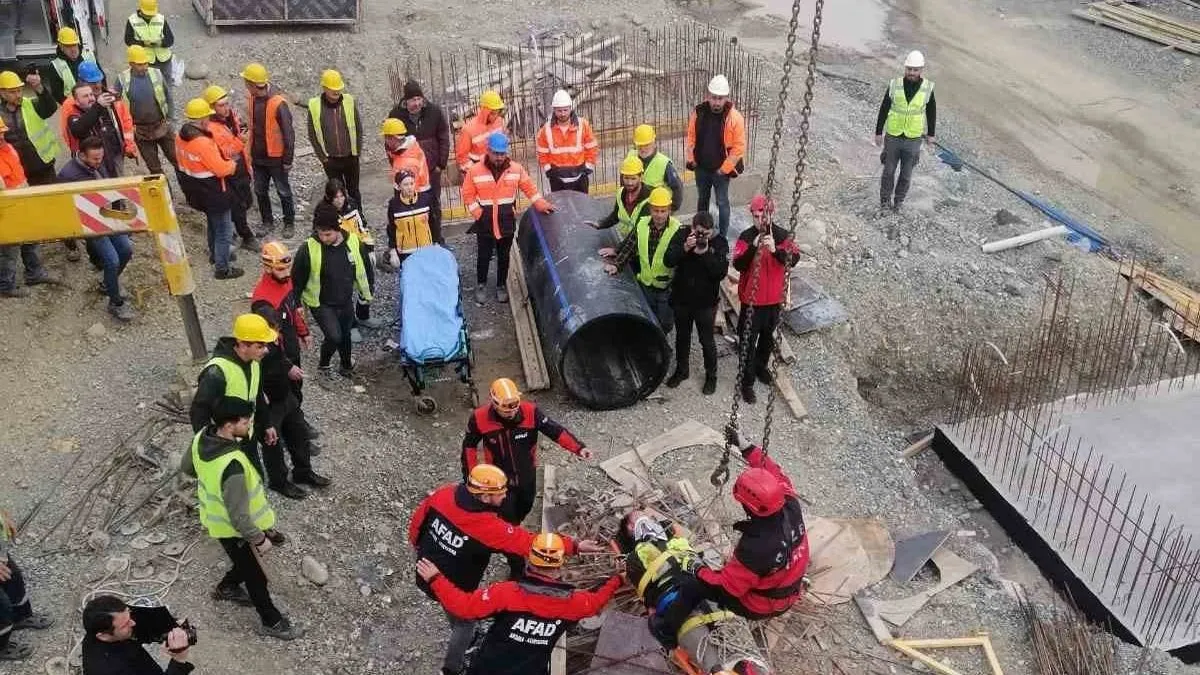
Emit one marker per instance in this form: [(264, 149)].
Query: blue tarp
[(431, 326)]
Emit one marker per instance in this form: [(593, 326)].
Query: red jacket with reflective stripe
[(492, 198), (569, 146), (512, 444)]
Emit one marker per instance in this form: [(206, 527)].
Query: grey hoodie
[(233, 481)]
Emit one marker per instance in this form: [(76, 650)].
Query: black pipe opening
[(614, 361)]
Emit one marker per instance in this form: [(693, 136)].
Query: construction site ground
[(1095, 121)]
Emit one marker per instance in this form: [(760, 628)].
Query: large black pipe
[(597, 331)]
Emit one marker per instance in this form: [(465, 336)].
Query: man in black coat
[(115, 632), (428, 123), (701, 261)]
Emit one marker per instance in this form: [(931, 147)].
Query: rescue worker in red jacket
[(505, 433), (458, 527), (528, 615), (765, 575)]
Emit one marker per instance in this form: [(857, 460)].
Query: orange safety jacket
[(492, 200), (70, 108), (202, 169), (733, 137), (11, 171), (568, 146), (471, 144), (410, 158), (274, 134), (230, 141)]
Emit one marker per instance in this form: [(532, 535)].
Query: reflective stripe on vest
[(64, 73), (907, 118), (652, 571), (156, 81), (577, 146), (311, 296), (213, 514), (236, 385), (625, 219), (314, 112), (147, 33), (654, 273), (655, 172), (39, 131)]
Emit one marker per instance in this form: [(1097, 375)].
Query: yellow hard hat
[(487, 479), (252, 328), (137, 54), (275, 254), (213, 93), (491, 100), (632, 166), (393, 127), (67, 36), (643, 134), (332, 79), (660, 196), (505, 393), (197, 109), (10, 80), (548, 550), (3, 125), (256, 73), (148, 7)]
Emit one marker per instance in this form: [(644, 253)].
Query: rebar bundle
[(1064, 643)]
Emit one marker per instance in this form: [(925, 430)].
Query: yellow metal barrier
[(91, 209)]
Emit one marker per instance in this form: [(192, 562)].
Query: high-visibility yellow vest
[(652, 271), (236, 385), (314, 112), (39, 131), (627, 219), (907, 118), (311, 296), (63, 69), (156, 80), (213, 514), (654, 560), (655, 172), (151, 32)]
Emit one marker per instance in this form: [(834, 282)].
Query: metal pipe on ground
[(598, 332)]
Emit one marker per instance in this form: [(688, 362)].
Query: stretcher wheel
[(426, 405)]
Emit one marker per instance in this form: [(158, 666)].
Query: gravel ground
[(915, 285)]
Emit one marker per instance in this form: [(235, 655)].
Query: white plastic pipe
[(1023, 239)]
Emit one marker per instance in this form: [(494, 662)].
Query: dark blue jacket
[(76, 170)]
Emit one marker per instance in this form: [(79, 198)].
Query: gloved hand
[(690, 166)]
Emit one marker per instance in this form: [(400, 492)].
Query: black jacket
[(432, 132), (210, 388), (103, 123), (128, 657), (697, 275), (614, 216), (337, 271), (281, 396)]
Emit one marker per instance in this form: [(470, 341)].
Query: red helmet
[(759, 491)]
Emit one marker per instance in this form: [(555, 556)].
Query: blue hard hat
[(498, 143), (90, 72)]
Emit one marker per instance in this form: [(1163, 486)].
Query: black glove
[(690, 166)]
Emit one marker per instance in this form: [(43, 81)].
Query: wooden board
[(629, 468), (847, 556), (951, 568), (783, 383), (533, 359)]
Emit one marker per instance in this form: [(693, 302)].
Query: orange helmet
[(487, 479), (275, 255), (548, 550), (505, 394)]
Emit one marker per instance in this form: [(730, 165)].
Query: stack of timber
[(1144, 23), (1180, 304)]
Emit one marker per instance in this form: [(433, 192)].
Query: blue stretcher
[(433, 334)]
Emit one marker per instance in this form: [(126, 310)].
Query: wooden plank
[(630, 467), (784, 348), (549, 486), (1153, 36), (529, 343), (878, 628), (916, 448), (783, 384)]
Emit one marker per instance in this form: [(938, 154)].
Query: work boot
[(289, 230), (481, 295), (229, 273), (235, 594), (43, 278), (314, 449), (102, 289), (16, 651), (251, 244), (896, 205), (312, 431), (764, 375), (122, 312), (311, 478), (371, 322), (710, 383), (277, 538), (290, 490), (284, 630), (346, 371), (748, 394), (325, 369), (355, 335), (678, 376), (34, 622), (15, 292), (501, 295)]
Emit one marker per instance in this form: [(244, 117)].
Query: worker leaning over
[(505, 432), (645, 250), (405, 153), (631, 202), (528, 614), (61, 73), (204, 175), (335, 132), (716, 146), (144, 91), (566, 147), (472, 141), (149, 29), (16, 611), (228, 131), (32, 138), (272, 146), (908, 113), (659, 169), (235, 511), (490, 193), (458, 527)]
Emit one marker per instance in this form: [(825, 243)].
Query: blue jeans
[(220, 237), (263, 175), (113, 254), (706, 182)]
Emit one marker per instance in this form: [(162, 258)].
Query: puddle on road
[(850, 24)]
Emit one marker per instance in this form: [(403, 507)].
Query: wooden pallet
[(1181, 304), (533, 359)]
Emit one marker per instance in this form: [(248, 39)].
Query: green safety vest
[(156, 80), (655, 171), (64, 73), (314, 113), (213, 515), (39, 131), (236, 385), (907, 118), (149, 32), (654, 560), (626, 219), (312, 290), (654, 273)]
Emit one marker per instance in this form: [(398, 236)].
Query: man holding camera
[(115, 632), (701, 261)]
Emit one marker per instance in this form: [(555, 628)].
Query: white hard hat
[(915, 60), (718, 86), (561, 99)]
